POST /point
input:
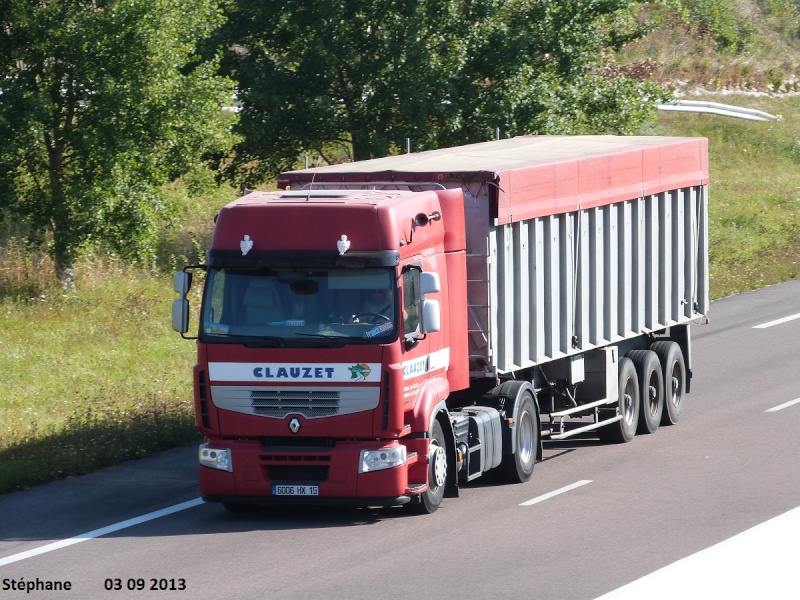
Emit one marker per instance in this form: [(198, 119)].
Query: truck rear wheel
[(651, 389), (674, 372), (518, 467), (431, 498), (628, 405)]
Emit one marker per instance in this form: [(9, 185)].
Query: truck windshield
[(299, 307)]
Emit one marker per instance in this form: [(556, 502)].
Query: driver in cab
[(378, 304)]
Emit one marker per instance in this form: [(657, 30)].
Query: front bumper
[(307, 500), (334, 471)]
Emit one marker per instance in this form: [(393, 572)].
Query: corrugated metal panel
[(562, 284)]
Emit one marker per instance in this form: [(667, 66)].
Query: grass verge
[(91, 438), (91, 378)]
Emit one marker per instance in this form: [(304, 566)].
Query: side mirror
[(429, 283), (431, 317), (180, 315), (182, 283)]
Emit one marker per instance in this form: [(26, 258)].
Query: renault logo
[(294, 425)]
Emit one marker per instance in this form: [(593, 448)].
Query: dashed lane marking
[(100, 532), (562, 490), (777, 322), (784, 405)]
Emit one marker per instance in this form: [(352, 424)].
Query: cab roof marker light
[(246, 245), (343, 245)]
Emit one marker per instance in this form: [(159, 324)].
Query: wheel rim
[(525, 436), (438, 462), (652, 394), (628, 404), (677, 387)]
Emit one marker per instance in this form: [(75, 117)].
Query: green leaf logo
[(359, 372)]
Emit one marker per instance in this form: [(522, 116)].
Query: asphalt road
[(593, 519)]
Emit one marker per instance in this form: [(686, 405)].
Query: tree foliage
[(101, 103), (316, 75)]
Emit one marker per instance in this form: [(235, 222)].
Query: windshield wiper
[(261, 341), (335, 337), (268, 341)]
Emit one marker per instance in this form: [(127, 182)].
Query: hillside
[(720, 47)]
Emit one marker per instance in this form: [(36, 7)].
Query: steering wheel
[(372, 317)]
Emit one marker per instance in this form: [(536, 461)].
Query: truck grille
[(280, 403)]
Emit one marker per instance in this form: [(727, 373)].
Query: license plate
[(295, 490)]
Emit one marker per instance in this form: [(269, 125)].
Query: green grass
[(97, 376), (91, 378)]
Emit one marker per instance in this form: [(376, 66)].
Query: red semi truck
[(382, 332)]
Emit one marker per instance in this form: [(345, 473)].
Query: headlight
[(383, 458), (216, 458)]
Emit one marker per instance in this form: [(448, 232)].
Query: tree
[(317, 75), (101, 103), (324, 76)]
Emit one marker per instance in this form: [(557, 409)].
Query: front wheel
[(431, 498)]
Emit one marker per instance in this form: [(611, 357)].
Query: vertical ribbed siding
[(562, 284)]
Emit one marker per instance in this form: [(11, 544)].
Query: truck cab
[(326, 339)]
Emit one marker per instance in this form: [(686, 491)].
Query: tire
[(431, 498), (518, 467), (674, 374), (625, 429), (651, 389)]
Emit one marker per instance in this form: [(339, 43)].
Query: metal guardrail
[(716, 108)]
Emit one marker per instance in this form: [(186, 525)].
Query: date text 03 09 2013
[(152, 584), (132, 584)]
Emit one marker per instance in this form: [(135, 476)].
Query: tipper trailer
[(380, 332)]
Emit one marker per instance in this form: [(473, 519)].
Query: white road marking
[(758, 563), (562, 490), (100, 532), (784, 405), (778, 321)]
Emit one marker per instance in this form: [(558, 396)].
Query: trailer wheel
[(437, 473), (628, 404), (651, 389), (518, 467), (674, 371)]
